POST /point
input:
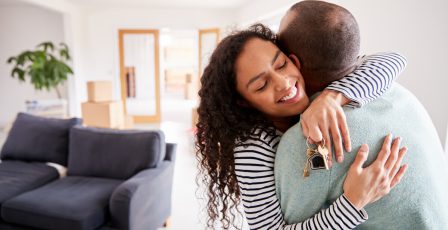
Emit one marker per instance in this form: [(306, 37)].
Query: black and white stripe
[(254, 166), (372, 77), (254, 159)]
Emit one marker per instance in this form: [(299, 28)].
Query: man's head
[(325, 39)]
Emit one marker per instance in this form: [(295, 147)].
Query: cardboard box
[(128, 122), (99, 91), (103, 114)]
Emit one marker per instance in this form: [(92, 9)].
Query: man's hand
[(325, 119), (364, 186)]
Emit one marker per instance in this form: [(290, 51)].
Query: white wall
[(75, 38), (262, 10), (446, 141), (418, 30), (22, 27), (102, 61)]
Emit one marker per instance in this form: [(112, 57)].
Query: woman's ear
[(295, 60)]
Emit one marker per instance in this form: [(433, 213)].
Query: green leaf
[(11, 59), (64, 51), (23, 57), (46, 46), (19, 72)]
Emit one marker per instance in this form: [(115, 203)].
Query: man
[(324, 39)]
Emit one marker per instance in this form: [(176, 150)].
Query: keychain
[(317, 158)]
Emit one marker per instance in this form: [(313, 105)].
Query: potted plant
[(47, 68)]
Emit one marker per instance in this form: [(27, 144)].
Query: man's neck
[(317, 81)]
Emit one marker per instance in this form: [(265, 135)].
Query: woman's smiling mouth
[(292, 96)]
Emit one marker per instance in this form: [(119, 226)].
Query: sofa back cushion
[(34, 138), (116, 154)]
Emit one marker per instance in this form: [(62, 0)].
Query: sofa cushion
[(71, 203), (34, 138), (6, 226), (117, 154), (17, 177)]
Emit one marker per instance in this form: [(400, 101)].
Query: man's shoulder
[(294, 134), (396, 99)]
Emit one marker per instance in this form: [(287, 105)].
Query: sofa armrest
[(144, 200), (170, 154)]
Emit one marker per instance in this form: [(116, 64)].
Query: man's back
[(418, 202)]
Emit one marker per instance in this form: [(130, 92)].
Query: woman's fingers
[(397, 165), (343, 127), (396, 180), (305, 129), (337, 141), (393, 155), (327, 139), (314, 133), (361, 157), (385, 151)]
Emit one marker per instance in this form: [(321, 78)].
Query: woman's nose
[(281, 82)]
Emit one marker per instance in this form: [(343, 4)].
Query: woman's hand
[(364, 186), (325, 117)]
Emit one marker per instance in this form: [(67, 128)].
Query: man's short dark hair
[(324, 36)]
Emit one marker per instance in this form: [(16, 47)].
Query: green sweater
[(418, 202)]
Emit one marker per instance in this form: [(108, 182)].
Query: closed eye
[(283, 65), (262, 87)]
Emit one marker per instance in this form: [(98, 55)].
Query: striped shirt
[(372, 77), (254, 159)]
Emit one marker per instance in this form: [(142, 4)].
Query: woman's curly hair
[(223, 123)]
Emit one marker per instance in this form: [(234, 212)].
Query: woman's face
[(269, 81)]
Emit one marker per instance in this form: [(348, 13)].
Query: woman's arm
[(254, 168), (371, 79)]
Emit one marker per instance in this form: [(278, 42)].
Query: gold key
[(309, 152), (306, 171), (317, 158), (324, 153)]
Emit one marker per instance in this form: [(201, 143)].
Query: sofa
[(115, 179)]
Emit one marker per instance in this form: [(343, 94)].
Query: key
[(309, 152), (306, 171), (324, 153)]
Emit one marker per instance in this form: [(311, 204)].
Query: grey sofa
[(115, 179)]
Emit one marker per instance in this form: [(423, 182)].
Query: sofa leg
[(167, 223)]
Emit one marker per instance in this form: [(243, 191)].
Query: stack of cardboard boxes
[(101, 110)]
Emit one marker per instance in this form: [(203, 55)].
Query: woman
[(240, 121)]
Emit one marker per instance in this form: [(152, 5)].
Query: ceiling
[(209, 4)]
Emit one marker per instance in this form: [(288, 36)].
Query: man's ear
[(295, 60)]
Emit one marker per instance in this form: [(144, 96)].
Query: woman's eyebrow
[(254, 79), (261, 74), (275, 57)]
